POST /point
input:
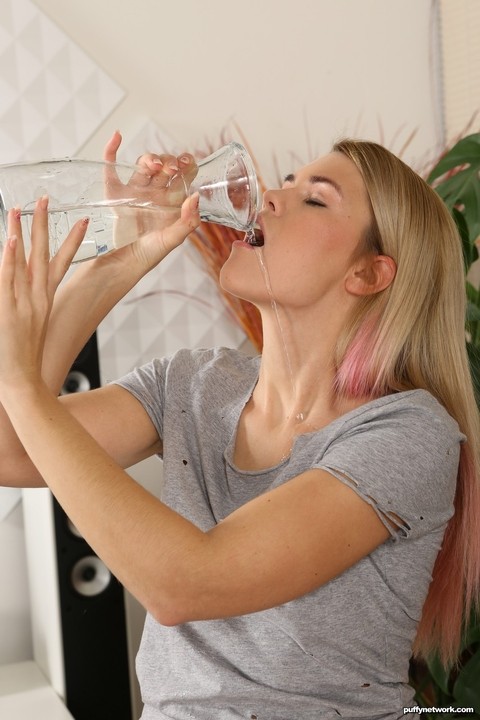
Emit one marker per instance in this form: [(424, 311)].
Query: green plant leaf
[(470, 251), (465, 152), (473, 637), (461, 188), (466, 690), (439, 673), (473, 312), (474, 357), (472, 293)]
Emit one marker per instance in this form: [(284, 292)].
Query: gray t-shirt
[(342, 650)]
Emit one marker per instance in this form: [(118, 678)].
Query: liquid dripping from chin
[(288, 363)]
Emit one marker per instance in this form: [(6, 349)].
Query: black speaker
[(85, 371), (92, 671), (92, 608)]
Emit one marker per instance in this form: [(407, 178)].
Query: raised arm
[(279, 546), (76, 309), (97, 286)]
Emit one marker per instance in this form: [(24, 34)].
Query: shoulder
[(187, 363), (403, 450), (195, 377), (217, 365), (414, 414), (408, 431)]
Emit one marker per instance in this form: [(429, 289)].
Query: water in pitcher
[(110, 227), (124, 201)]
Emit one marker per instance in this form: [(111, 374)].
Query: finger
[(189, 216), (189, 220), (22, 275), (40, 251), (168, 172), (7, 273), (63, 259), (111, 148), (14, 229), (151, 162), (188, 167), (14, 226), (148, 166), (180, 183), (153, 169)]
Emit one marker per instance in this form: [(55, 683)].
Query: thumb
[(188, 221), (111, 148)]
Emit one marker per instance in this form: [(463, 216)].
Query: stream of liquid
[(286, 355)]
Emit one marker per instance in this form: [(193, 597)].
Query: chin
[(239, 286)]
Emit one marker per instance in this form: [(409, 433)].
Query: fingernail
[(17, 213), (85, 220), (173, 166), (44, 202), (157, 161), (185, 160)]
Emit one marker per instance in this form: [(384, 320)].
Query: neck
[(297, 369)]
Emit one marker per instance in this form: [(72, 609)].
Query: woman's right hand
[(98, 285), (163, 182)]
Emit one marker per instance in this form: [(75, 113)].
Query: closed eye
[(318, 203)]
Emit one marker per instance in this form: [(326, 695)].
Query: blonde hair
[(412, 335)]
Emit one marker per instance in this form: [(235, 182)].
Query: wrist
[(20, 385)]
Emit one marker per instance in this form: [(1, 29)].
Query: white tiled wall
[(52, 97)]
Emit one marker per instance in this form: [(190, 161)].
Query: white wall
[(292, 75), (460, 29)]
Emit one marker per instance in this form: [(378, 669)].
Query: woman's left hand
[(27, 290)]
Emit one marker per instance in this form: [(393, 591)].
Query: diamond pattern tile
[(52, 98), (52, 95), (177, 305)]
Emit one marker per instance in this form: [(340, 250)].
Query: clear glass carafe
[(123, 201)]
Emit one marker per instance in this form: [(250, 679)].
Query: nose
[(273, 201)]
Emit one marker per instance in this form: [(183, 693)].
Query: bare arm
[(277, 547), (78, 307), (111, 415)]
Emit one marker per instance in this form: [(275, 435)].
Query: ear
[(370, 275)]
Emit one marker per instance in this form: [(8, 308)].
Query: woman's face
[(313, 225)]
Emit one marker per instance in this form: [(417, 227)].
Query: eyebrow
[(314, 179)]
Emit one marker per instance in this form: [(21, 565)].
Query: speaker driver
[(75, 382), (90, 576), (71, 527)]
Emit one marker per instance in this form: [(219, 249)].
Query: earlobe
[(372, 275)]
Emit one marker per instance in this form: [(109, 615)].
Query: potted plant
[(456, 178)]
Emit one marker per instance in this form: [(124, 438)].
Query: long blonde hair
[(412, 335)]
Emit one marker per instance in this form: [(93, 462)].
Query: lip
[(244, 244)]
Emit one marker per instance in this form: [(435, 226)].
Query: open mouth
[(255, 237)]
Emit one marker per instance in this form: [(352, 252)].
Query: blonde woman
[(319, 517)]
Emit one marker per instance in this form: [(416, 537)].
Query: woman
[(308, 494)]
